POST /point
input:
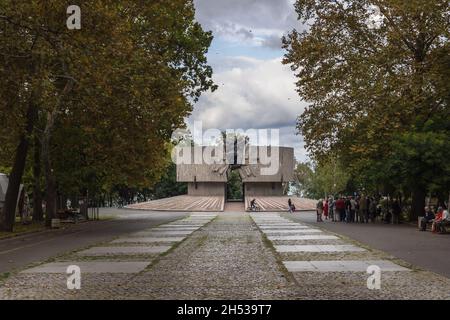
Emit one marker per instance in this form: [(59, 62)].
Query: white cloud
[(257, 94), (252, 93), (250, 20)]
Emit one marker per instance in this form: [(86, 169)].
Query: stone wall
[(206, 189), (263, 189)]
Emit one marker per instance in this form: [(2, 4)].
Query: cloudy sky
[(255, 89)]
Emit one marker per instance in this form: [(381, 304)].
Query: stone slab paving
[(273, 218), (228, 259), (203, 215), (318, 248), (299, 231), (345, 278), (91, 267), (280, 224), (303, 237), (181, 226), (281, 220), (161, 233), (102, 251), (148, 240), (283, 227), (342, 266), (159, 229)]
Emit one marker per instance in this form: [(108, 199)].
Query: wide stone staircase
[(275, 204), (182, 203)]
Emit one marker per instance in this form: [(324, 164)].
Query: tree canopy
[(103, 101), (375, 73)]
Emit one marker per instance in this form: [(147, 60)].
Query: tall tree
[(122, 107), (371, 70)]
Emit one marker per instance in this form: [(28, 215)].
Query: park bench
[(428, 226), (69, 215), (446, 226), (429, 223)]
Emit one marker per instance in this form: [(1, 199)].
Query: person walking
[(291, 206), (253, 205)]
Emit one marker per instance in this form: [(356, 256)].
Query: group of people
[(355, 209), (438, 219)]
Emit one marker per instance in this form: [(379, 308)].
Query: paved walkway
[(230, 255), (17, 252), (423, 249)]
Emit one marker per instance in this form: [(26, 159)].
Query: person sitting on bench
[(437, 218), (429, 216), (441, 221)]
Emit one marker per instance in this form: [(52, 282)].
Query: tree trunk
[(448, 202), (21, 204), (38, 214), (418, 203), (8, 213), (51, 194)]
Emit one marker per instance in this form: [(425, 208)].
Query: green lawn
[(19, 229)]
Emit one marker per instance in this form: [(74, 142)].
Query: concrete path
[(17, 252)]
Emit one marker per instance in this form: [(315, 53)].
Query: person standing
[(372, 209), (331, 208), (319, 210), (347, 210), (26, 209), (340, 206), (357, 214), (362, 208), (325, 208), (396, 211), (352, 209)]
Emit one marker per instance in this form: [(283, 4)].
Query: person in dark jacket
[(429, 216), (396, 211)]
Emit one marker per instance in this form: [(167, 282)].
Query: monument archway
[(234, 188)]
